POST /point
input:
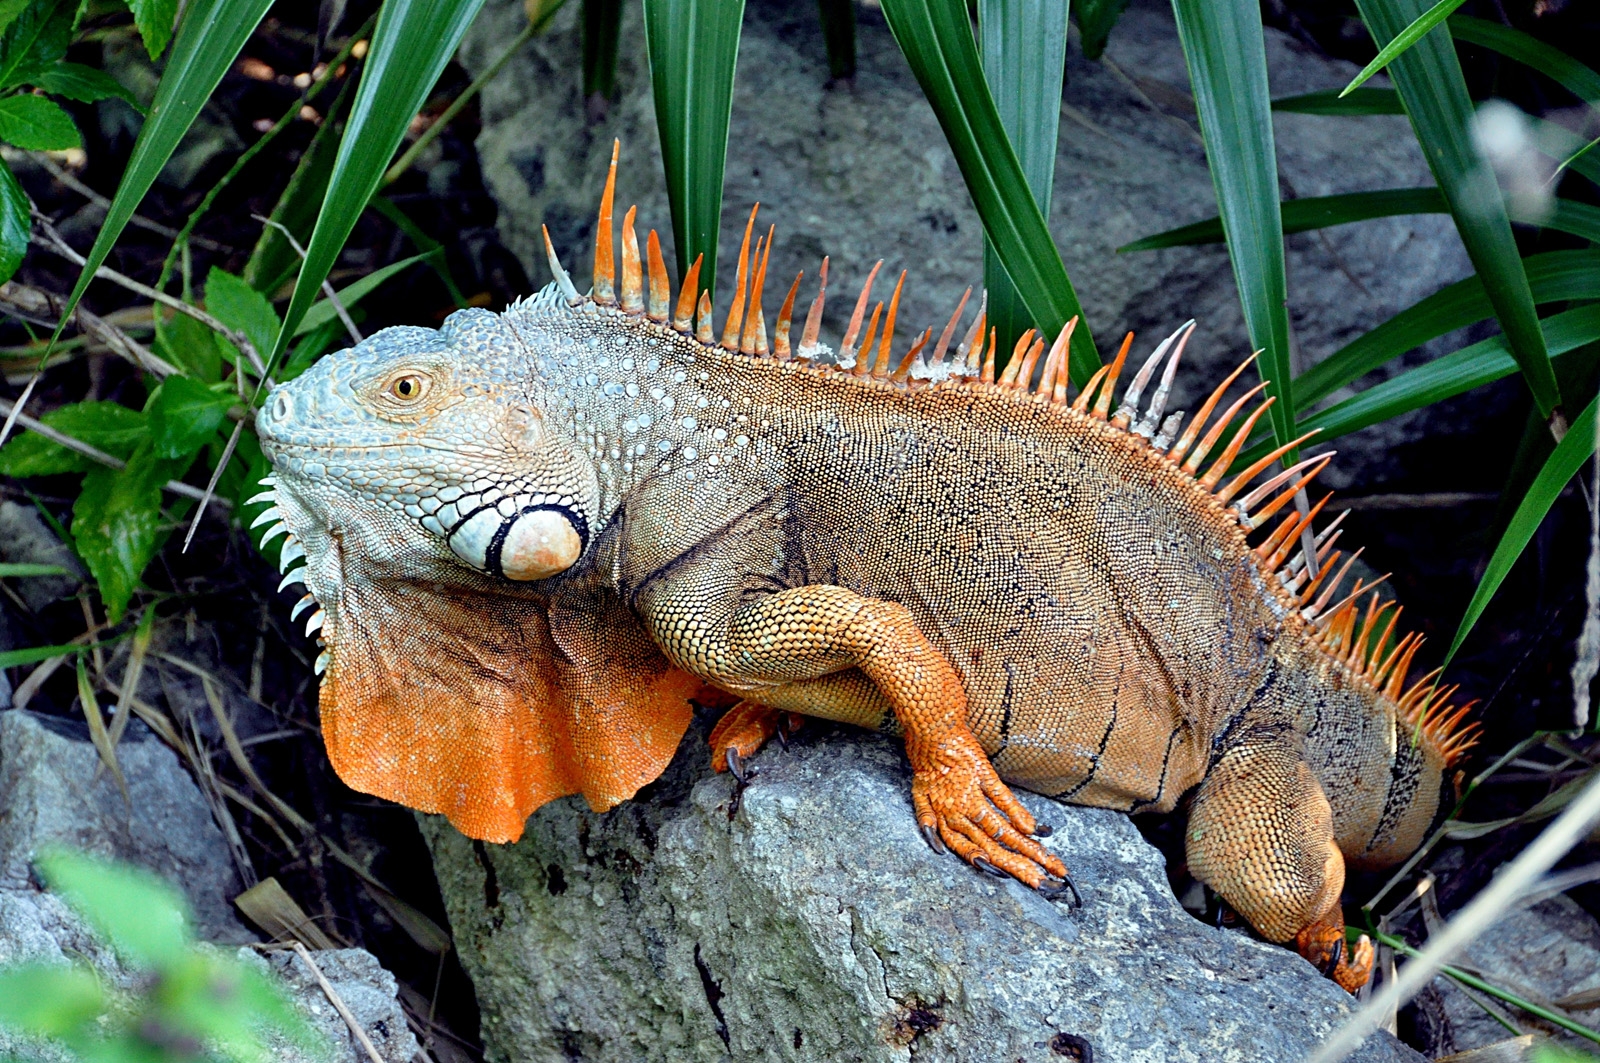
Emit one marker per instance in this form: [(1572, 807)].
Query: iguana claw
[(1056, 892), (931, 836), (987, 868), (735, 766)]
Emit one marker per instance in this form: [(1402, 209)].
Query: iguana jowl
[(530, 537)]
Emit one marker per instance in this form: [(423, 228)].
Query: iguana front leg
[(787, 650)]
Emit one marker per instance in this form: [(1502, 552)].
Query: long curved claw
[(1043, 830), (735, 764), (1054, 892), (930, 834), (1335, 955), (987, 868)]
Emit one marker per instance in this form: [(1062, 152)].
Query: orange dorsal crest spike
[(780, 331), (808, 338), (949, 330), (1128, 412), (753, 338), (970, 351), (660, 287), (880, 368), (1102, 403), (1220, 468), (1192, 463), (847, 348), (702, 322), (1249, 474), (1279, 534), (735, 323), (1281, 554), (863, 361), (1181, 447), (1397, 678), (563, 281), (988, 357), (903, 372), (1273, 482), (683, 319), (1381, 674), (1322, 574), (1008, 378), (1055, 362), (1333, 586), (632, 273), (605, 270), (1081, 403), (1378, 660), (1316, 464)]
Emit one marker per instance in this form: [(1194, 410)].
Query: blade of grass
[(1313, 212), (1431, 83), (694, 48), (1224, 46), (1527, 49), (411, 44), (9, 569), (1024, 48), (936, 39), (97, 729), (1348, 102), (208, 41), (1575, 448), (1554, 276), (1406, 38)]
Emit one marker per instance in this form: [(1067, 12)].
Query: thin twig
[(1434, 500), (42, 306), (15, 414), (327, 285), (13, 411), (211, 485), (138, 220), (338, 1003)]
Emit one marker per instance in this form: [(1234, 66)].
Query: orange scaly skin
[(531, 537)]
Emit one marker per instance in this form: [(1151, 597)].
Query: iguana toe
[(741, 732), (1348, 965)]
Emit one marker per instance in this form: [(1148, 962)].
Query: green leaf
[(1579, 219), (1096, 18), (191, 346), (208, 42), (85, 84), (34, 654), (1024, 48), (16, 227), (602, 29), (1225, 47), (693, 46), (1527, 49), (154, 19), (36, 124), (1575, 448), (48, 999), (413, 41), (10, 10), (322, 312), (116, 523), (838, 19), (1554, 276), (107, 426), (413, 232), (1313, 212), (1405, 39), (234, 303), (11, 569), (36, 39), (185, 415), (1430, 81), (1330, 101), (936, 39), (144, 918)]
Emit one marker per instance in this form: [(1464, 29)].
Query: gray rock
[(26, 539), (367, 990), (815, 924), (861, 172), (53, 790)]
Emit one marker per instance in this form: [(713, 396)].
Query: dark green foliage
[(602, 29)]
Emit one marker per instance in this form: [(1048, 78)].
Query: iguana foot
[(743, 730), (1324, 945), (956, 792)]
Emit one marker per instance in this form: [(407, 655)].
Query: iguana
[(530, 538)]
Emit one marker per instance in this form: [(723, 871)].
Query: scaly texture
[(531, 536)]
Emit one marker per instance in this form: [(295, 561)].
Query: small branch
[(338, 1003), (1436, 500), (327, 285), (211, 485), (44, 307), (13, 413)]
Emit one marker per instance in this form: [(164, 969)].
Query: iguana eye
[(407, 388)]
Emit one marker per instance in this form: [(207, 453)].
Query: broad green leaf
[(693, 47), (1579, 219), (185, 415), (274, 259), (413, 41), (1024, 48), (1224, 45), (239, 306), (1554, 276), (85, 84), (154, 19), (9, 10), (322, 312), (190, 346), (1349, 102), (1512, 43), (36, 124), (35, 40), (107, 426), (602, 29), (116, 523), (1096, 18), (15, 225), (1575, 448), (936, 39), (208, 41), (839, 35), (316, 342), (1430, 81), (1313, 212), (144, 918), (1406, 38), (48, 999)]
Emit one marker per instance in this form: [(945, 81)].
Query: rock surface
[(861, 172), (815, 924), (365, 987)]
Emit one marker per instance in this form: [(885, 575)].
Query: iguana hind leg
[(1261, 835), (744, 729), (787, 650)]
